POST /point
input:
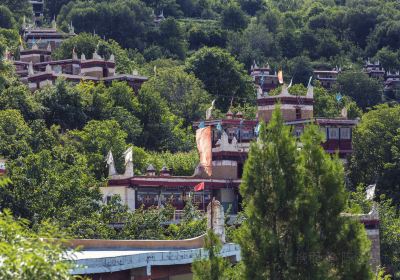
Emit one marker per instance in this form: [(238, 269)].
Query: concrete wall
[(224, 169), (93, 72), (35, 58), (197, 242), (373, 235), (288, 112), (45, 83), (127, 194)]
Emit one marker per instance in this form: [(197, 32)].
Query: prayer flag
[(338, 97), (202, 124), (309, 82), (203, 141), (199, 187), (257, 129), (280, 76), (291, 82)]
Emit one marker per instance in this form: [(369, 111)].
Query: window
[(240, 170), (298, 113), (333, 133), (108, 199), (345, 133)]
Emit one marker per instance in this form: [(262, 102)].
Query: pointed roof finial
[(48, 69), (54, 23), (111, 164), (71, 29), (34, 44), (49, 47), (74, 55), (254, 64), (30, 69)]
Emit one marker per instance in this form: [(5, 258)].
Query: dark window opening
[(105, 72), (240, 170), (298, 113)]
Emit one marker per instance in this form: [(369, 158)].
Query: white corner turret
[(111, 164), (128, 155)]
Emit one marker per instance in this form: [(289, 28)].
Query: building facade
[(264, 77), (327, 78), (230, 142), (37, 68)]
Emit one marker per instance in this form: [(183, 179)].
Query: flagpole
[(204, 198)]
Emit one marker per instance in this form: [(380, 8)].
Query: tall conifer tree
[(294, 196)]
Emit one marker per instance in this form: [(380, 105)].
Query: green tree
[(388, 59), (211, 36), (97, 139), (300, 69), (17, 244), (251, 6), (15, 135), (52, 8), (214, 267), (51, 184), (171, 39), (98, 224), (17, 96), (63, 105), (293, 201), (389, 216), (162, 130), (6, 18), (375, 158), (256, 42), (184, 93), (365, 91), (385, 34), (20, 8), (125, 21), (233, 18), (225, 80), (144, 224)]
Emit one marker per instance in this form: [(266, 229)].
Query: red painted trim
[(170, 182), (292, 100)]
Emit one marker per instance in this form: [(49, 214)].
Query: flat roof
[(112, 260)]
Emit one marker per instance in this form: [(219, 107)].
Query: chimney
[(229, 115), (239, 115), (165, 172), (150, 171)]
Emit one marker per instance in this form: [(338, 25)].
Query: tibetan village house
[(224, 148), (36, 66), (327, 78)]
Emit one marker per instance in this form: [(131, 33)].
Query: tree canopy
[(293, 199)]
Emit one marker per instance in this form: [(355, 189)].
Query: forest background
[(56, 139)]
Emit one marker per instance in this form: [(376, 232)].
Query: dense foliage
[(26, 255), (376, 156), (56, 139), (293, 201)]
